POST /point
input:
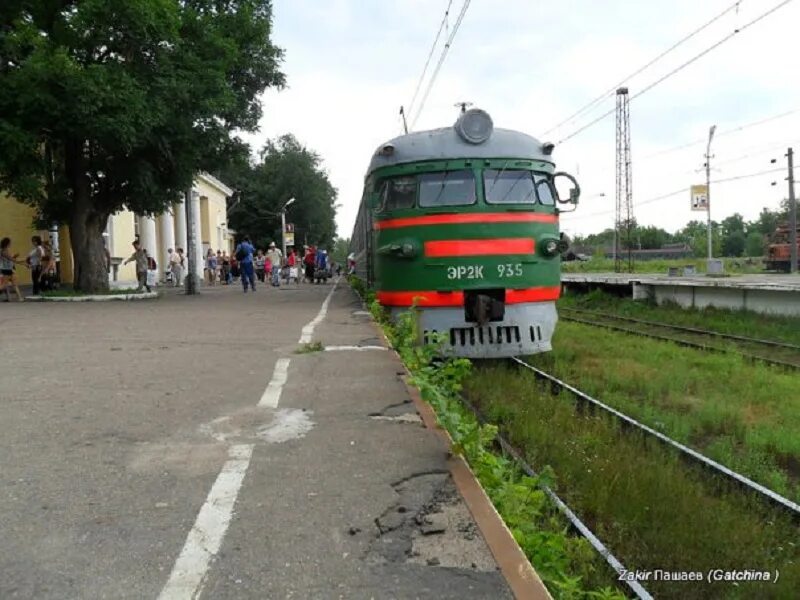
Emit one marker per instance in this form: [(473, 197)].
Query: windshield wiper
[(441, 189), (522, 174)]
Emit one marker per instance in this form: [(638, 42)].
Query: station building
[(156, 233)]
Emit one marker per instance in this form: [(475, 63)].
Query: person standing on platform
[(176, 267), (140, 256), (244, 255), (34, 261), (8, 267), (211, 267), (275, 257), (309, 260)]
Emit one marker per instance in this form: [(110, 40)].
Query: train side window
[(448, 188), (544, 189), (509, 186), (398, 193)]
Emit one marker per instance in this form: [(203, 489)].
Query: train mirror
[(567, 189)]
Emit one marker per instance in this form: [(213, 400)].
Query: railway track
[(692, 455), (635, 587), (750, 348)]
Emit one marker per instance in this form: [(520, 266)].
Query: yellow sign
[(288, 238), (699, 197)]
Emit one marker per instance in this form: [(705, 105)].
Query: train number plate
[(465, 272), (509, 270)]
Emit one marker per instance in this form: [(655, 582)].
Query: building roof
[(214, 182), (446, 143)]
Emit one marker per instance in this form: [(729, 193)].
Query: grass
[(737, 322), (647, 505), (604, 265), (310, 348), (744, 415)]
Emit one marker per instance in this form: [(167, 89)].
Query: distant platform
[(767, 293)]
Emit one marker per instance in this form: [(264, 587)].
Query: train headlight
[(551, 247), (474, 126)]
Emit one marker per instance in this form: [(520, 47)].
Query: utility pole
[(624, 200), (792, 214), (708, 189), (191, 239)]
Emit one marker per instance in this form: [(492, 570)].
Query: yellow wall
[(213, 214), (16, 222), (123, 231)]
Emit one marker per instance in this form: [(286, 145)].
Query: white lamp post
[(283, 224)]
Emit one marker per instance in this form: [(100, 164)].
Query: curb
[(94, 298), (517, 570)]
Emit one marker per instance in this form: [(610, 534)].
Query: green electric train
[(462, 222)]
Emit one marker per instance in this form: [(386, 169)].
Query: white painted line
[(308, 330), (354, 348), (205, 538), (272, 394)]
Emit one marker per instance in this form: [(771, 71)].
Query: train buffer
[(287, 458)]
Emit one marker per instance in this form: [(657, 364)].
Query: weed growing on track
[(736, 322), (643, 501), (566, 563), (744, 415), (310, 348)]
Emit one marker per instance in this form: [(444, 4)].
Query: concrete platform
[(768, 294), (181, 448)]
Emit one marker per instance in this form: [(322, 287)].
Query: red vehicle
[(779, 249)]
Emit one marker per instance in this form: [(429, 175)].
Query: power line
[(430, 55), (610, 92), (722, 133), (443, 55), (682, 190), (680, 67)]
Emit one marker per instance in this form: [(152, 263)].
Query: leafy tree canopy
[(105, 105), (285, 169)]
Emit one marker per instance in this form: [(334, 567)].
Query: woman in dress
[(8, 268)]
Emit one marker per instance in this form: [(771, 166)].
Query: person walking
[(211, 267), (34, 261), (275, 257), (140, 256), (8, 269), (176, 266), (309, 261), (291, 264), (48, 276), (259, 261), (244, 254), (226, 268)]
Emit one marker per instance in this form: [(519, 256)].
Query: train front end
[(464, 226)]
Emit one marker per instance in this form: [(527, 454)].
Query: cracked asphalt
[(117, 418)]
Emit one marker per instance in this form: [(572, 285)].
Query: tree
[(766, 223), (755, 244), (286, 170), (652, 237), (105, 105), (341, 246), (732, 224), (734, 244)]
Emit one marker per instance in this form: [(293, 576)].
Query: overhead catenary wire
[(442, 57), (410, 108), (723, 133), (610, 92), (679, 68), (682, 190)]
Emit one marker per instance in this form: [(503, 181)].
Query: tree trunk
[(88, 251)]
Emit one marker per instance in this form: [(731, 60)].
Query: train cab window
[(398, 193), (508, 186), (448, 188), (544, 189)]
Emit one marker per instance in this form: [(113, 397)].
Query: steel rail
[(687, 343), (730, 336), (740, 479), (573, 518)]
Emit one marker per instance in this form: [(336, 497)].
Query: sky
[(350, 65)]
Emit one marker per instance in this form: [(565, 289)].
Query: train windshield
[(399, 192), (509, 186), (448, 188)]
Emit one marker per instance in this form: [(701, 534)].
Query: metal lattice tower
[(623, 223)]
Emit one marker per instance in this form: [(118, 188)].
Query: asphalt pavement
[(183, 447)]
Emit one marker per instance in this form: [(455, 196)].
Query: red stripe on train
[(456, 298), (490, 247), (465, 218)]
